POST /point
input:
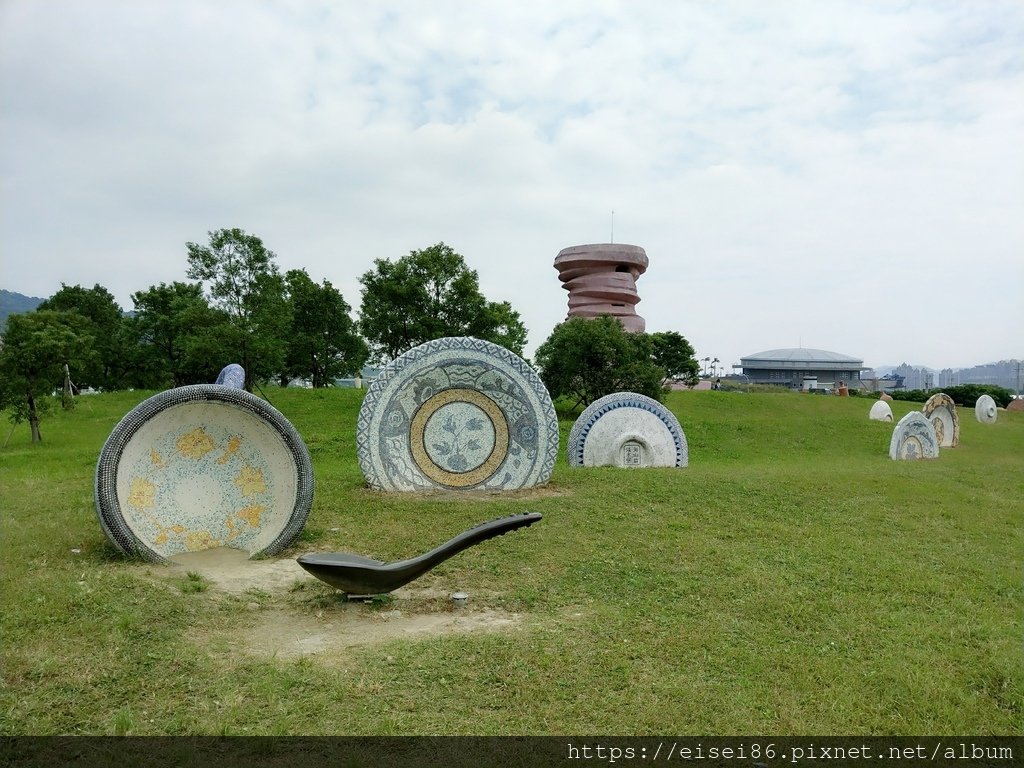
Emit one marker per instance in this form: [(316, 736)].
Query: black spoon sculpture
[(359, 576)]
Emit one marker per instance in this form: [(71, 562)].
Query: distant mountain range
[(12, 303)]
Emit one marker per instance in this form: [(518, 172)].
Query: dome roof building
[(802, 368)]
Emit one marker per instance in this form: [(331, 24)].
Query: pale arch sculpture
[(601, 280)]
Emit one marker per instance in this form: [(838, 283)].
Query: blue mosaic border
[(593, 412)]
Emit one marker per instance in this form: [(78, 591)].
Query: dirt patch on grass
[(231, 570), (288, 634), (287, 631)]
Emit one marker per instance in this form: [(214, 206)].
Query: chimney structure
[(601, 280)]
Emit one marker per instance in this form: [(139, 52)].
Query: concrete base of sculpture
[(941, 411), (457, 413), (880, 411), (985, 410), (200, 467), (913, 438), (626, 429), (360, 576)]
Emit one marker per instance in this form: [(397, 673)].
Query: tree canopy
[(97, 316), (243, 281), (426, 295), (36, 347), (587, 358), (675, 354), (322, 344), (180, 337)]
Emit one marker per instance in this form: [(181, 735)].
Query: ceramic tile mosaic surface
[(941, 411), (913, 438), (627, 429), (457, 413), (232, 375), (200, 467)]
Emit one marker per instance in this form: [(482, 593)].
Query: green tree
[(587, 358), (427, 295), (502, 325), (322, 343), (180, 337), (675, 354), (243, 281), (100, 318), (36, 347)]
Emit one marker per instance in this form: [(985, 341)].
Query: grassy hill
[(792, 580)]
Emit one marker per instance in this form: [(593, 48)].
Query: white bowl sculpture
[(199, 467)]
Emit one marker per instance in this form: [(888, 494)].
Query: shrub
[(965, 395)]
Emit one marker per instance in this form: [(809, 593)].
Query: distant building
[(802, 369)]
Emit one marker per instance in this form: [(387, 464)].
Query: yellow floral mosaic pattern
[(197, 489), (250, 481)]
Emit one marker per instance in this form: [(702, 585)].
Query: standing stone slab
[(457, 413), (626, 429), (199, 467), (985, 410), (880, 411), (941, 411), (914, 438), (232, 375)]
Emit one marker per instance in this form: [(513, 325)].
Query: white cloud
[(844, 174)]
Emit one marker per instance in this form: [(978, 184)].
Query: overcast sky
[(846, 176)]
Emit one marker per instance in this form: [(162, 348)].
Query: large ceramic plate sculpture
[(457, 413), (985, 410), (880, 411), (913, 438), (941, 411), (199, 467), (626, 429)]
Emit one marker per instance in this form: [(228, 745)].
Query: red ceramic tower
[(601, 280)]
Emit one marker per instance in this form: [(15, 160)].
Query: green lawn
[(792, 580)]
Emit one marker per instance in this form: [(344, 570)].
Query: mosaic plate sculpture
[(913, 438), (626, 429), (880, 411), (199, 467), (941, 411), (457, 413), (985, 410)]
